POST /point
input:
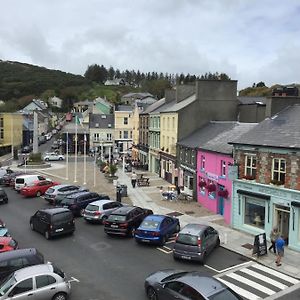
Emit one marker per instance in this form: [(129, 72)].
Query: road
[(106, 268)]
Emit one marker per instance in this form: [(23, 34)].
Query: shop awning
[(256, 195)]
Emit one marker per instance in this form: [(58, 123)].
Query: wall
[(12, 129), (213, 172), (276, 104), (251, 113), (183, 91), (168, 132)]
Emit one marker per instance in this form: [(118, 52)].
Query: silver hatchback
[(195, 242), (39, 282), (98, 211)]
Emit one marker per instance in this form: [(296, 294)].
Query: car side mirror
[(163, 286)]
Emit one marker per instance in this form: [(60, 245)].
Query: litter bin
[(123, 190)]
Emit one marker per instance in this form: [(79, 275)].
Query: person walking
[(133, 179), (274, 235), (279, 244)]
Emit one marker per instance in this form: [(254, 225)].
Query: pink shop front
[(214, 188)]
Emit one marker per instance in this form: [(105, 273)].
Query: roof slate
[(178, 106), (102, 120)]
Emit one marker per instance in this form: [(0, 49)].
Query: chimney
[(170, 95), (184, 91)]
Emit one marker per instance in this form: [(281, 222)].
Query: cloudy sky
[(250, 40)]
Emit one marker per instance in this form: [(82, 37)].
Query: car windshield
[(50, 191), (187, 239), (58, 271), (62, 217), (225, 294), (149, 224), (20, 180), (67, 201), (92, 207), (114, 218), (6, 284), (174, 276)]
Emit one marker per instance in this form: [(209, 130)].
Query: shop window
[(125, 134), (201, 185), (254, 213), (188, 182), (202, 163), (125, 120), (250, 166), (278, 170), (223, 168), (211, 189)]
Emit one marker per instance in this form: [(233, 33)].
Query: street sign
[(260, 245)]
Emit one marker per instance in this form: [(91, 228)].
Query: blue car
[(156, 229)]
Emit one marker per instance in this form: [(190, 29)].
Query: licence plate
[(59, 230), (185, 257), (145, 241), (88, 218), (114, 226), (1, 200)]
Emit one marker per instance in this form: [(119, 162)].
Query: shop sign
[(260, 245), (187, 168), (212, 176)]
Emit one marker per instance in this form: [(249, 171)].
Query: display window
[(254, 212)]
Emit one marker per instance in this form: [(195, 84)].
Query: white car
[(53, 156)]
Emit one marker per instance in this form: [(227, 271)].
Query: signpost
[(260, 245)]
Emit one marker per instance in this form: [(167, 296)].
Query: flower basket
[(249, 177), (223, 193), (211, 187), (277, 182), (202, 184)]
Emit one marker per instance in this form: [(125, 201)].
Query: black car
[(174, 284), (53, 221), (3, 196), (77, 202), (64, 194), (11, 261), (125, 220)]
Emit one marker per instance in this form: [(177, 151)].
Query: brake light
[(137, 232), (98, 213), (199, 242), (155, 233), (124, 225)]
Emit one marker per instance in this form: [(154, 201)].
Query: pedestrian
[(133, 179), (279, 244), (178, 190), (274, 235)]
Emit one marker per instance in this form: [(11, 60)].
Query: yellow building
[(123, 128), (11, 131), (135, 132)]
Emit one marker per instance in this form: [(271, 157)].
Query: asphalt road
[(103, 267)]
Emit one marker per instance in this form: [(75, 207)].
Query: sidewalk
[(150, 197)]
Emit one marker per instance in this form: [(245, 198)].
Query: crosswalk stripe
[(264, 278), (275, 273), (251, 283), (240, 291)]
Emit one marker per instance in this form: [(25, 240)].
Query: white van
[(24, 180)]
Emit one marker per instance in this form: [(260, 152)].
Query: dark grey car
[(195, 242), (174, 284)]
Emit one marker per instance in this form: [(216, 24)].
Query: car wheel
[(218, 243), (60, 296), (46, 159), (177, 229), (163, 240), (47, 235), (151, 293), (204, 258), (31, 226), (104, 218), (6, 201), (60, 158), (38, 193), (132, 231), (81, 212)]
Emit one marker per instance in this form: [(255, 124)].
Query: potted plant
[(202, 183), (249, 177), (112, 169), (211, 187), (277, 182), (223, 193)]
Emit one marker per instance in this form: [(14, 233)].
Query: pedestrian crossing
[(256, 281)]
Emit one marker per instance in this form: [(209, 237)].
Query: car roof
[(206, 285), (123, 210), (26, 175), (80, 193), (157, 218), (56, 210), (101, 202), (57, 187), (194, 228), (32, 270), (17, 253)]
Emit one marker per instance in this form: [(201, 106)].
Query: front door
[(282, 216), (220, 206)]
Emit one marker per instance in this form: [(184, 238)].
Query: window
[(254, 212), (223, 168), (250, 166), (22, 287), (1, 133), (120, 134), (131, 134), (125, 120), (125, 134), (44, 280), (108, 137), (278, 169), (96, 136), (1, 122), (202, 163), (175, 286)]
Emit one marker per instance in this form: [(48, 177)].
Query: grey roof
[(154, 106), (178, 106), (252, 100), (280, 131), (123, 108), (102, 120), (215, 136), (163, 107), (137, 95)]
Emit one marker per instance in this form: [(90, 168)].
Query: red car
[(8, 244), (38, 188)]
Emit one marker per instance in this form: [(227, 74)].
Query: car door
[(36, 220), (213, 236), (45, 287), (44, 222), (206, 242), (22, 290), (171, 291), (138, 216)]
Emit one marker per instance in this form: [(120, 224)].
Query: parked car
[(157, 229), (4, 231), (98, 211), (37, 188), (62, 195), (53, 156), (52, 222), (125, 220), (44, 281), (77, 202), (195, 242), (175, 284), (8, 178), (52, 192), (3, 196), (14, 260), (7, 244), (25, 180)]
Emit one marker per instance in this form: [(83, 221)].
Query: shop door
[(283, 220), (220, 206)]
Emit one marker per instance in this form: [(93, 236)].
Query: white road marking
[(275, 273), (230, 268), (240, 291), (74, 279), (165, 249)]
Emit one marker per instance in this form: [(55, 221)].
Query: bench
[(143, 181)]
